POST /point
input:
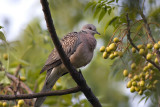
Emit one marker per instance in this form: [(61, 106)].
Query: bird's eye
[(90, 28)]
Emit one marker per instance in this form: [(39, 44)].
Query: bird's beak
[(98, 33)]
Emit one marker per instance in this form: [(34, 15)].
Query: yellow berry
[(156, 46), (150, 65), (4, 104), (105, 55), (149, 46), (102, 49), (149, 56), (155, 82), (136, 77), (111, 56), (134, 83), (5, 56), (113, 46), (20, 102), (132, 89), (115, 54), (156, 60), (133, 50), (140, 46), (137, 89), (142, 83), (145, 68), (141, 75), (115, 40), (108, 49), (152, 72), (141, 51), (133, 65), (129, 84), (140, 92), (22, 78), (125, 73), (147, 76)]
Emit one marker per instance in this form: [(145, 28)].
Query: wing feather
[(69, 43)]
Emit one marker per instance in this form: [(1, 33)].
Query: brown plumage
[(79, 47)]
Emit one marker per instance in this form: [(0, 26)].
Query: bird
[(79, 48)]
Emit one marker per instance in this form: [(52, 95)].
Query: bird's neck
[(90, 40)]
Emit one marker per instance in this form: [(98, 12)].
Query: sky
[(16, 14)]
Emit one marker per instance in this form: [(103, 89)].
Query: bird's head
[(90, 28)]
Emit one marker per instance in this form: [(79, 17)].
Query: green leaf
[(3, 78), (2, 37), (1, 27), (147, 93), (93, 6), (109, 11), (89, 5), (142, 99), (98, 8), (5, 81), (110, 1), (102, 14), (110, 22), (2, 74), (116, 1), (146, 99)]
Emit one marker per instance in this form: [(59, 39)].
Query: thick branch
[(128, 34), (131, 42), (77, 76), (42, 94)]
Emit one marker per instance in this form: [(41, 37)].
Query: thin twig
[(150, 34), (17, 70), (42, 94), (22, 85)]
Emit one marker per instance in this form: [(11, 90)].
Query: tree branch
[(15, 79), (131, 42), (17, 70), (42, 94), (77, 76), (150, 34)]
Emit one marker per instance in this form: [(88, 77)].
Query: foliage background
[(33, 45)]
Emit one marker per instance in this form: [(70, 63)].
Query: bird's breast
[(82, 56)]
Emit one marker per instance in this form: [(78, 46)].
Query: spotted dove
[(79, 47)]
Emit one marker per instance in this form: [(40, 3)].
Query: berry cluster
[(111, 51), (141, 79), (20, 104)]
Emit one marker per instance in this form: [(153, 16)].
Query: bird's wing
[(69, 43)]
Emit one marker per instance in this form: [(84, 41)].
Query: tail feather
[(49, 83)]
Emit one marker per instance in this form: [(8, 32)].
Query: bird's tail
[(49, 83)]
